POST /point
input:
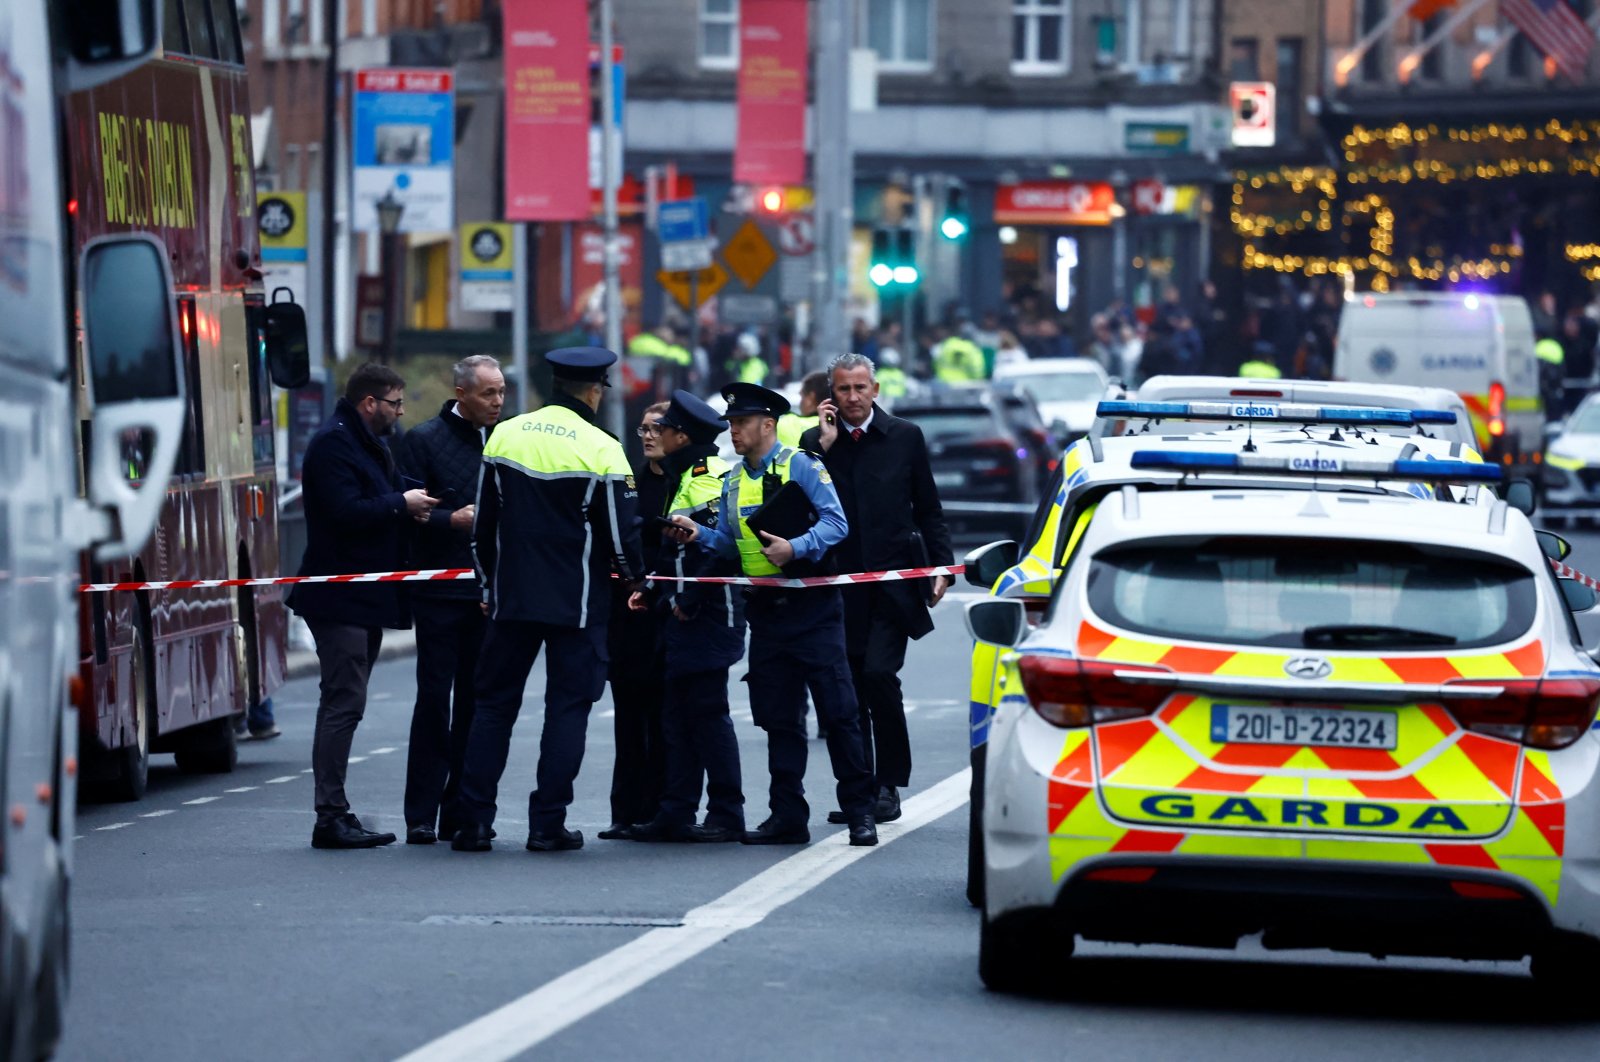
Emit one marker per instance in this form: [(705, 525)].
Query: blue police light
[(1317, 464), (1257, 410)]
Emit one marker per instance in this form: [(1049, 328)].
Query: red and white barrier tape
[(451, 574), (1567, 572)]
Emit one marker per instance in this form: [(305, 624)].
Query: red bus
[(166, 150)]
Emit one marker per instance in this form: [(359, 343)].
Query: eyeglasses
[(397, 403), (646, 430)]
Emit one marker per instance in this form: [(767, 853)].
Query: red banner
[(771, 148), (1054, 203), (547, 110)]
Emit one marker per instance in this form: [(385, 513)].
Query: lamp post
[(389, 211), (1119, 235)]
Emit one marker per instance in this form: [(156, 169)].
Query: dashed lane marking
[(529, 1021), (113, 826), (383, 751), (357, 759), (159, 814), (201, 800), (282, 779), (243, 789)]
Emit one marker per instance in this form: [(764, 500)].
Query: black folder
[(787, 514)]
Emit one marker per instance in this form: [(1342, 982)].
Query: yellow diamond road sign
[(707, 283), (749, 254)]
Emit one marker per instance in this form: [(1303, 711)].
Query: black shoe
[(617, 831), (774, 832), (472, 838), (421, 835), (710, 834), (657, 832), (888, 804), (346, 831), (863, 834), (555, 841), (448, 830), (837, 818)]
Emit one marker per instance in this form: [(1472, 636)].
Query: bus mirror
[(108, 38), (134, 369), (288, 350)]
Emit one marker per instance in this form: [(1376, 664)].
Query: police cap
[(581, 364), (746, 398), (693, 417)]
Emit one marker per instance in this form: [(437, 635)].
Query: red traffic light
[(772, 200)]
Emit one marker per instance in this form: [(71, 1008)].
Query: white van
[(1479, 346)]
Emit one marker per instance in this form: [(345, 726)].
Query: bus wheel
[(210, 748), (131, 763)]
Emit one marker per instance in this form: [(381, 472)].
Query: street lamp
[(389, 210), (1119, 234)]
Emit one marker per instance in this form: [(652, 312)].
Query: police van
[(1479, 346)]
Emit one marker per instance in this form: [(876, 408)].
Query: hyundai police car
[(1343, 720)]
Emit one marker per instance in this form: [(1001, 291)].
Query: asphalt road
[(206, 927)]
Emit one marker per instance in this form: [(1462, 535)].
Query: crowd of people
[(590, 560)]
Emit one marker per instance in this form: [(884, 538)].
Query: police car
[(1093, 467), (1571, 475), (1342, 720)]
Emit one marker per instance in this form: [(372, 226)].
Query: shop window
[(1039, 36), (1244, 59), (719, 34), (901, 32)]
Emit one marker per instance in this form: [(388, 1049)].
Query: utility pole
[(331, 32), (611, 411), (834, 175)]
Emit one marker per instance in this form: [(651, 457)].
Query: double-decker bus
[(165, 150)]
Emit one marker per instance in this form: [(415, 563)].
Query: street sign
[(404, 145), (1155, 138), (749, 254), (682, 220), (707, 282), (685, 255), (486, 267), (797, 235), (748, 309), (1254, 106), (284, 225)]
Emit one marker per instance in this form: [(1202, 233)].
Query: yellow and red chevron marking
[(1478, 409)]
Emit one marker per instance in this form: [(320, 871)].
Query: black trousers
[(877, 649), (345, 654), (700, 743), (796, 644), (449, 636), (575, 677), (637, 691)]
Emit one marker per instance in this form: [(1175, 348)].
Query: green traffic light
[(953, 228), (881, 275)]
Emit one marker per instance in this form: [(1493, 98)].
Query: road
[(206, 927)]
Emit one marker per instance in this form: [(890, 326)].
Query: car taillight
[(1540, 713), (1497, 406), (997, 457), (1246, 392), (1070, 692)]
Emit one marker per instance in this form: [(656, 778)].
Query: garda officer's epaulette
[(699, 470)]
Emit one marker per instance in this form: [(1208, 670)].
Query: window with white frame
[(719, 34), (901, 32), (1039, 36)]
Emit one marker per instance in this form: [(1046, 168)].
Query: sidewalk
[(302, 663)]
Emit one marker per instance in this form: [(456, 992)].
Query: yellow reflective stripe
[(1523, 405), (554, 440), (1571, 464), (1483, 666), (750, 497)]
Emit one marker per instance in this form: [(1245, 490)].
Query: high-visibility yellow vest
[(752, 370), (650, 345), (958, 361), (793, 425), (892, 381), (752, 494), (700, 488), (1260, 370), (1550, 351)]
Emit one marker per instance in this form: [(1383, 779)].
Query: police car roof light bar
[(1291, 412), (1410, 470)]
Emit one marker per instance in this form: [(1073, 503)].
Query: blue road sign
[(682, 220)]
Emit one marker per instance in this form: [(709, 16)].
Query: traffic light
[(882, 271), (771, 200), (956, 222), (905, 258), (894, 257)]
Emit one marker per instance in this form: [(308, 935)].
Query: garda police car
[(1093, 467), (1340, 720)]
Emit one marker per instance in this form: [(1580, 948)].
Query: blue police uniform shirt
[(831, 526)]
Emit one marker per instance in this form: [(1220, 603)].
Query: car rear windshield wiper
[(1372, 634)]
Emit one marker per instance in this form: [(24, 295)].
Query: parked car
[(990, 453), (1571, 475), (1065, 389)]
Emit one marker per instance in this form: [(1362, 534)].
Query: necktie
[(855, 434)]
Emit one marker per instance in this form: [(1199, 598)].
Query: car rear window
[(1060, 386), (1326, 594), (951, 423), (1586, 421)]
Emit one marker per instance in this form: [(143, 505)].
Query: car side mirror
[(1580, 597), (134, 370), (998, 621), (288, 349), (1555, 547), (1520, 496), (986, 564)]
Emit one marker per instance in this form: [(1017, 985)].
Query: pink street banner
[(771, 148), (547, 110)]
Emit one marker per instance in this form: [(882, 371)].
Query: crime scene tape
[(1568, 572), (450, 574)]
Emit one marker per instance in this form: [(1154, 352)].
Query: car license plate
[(1330, 727), (949, 479)]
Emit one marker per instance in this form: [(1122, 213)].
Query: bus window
[(197, 18), (192, 448), (225, 17), (172, 39), (260, 392)]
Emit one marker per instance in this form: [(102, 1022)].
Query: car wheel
[(1021, 952), (1564, 968)]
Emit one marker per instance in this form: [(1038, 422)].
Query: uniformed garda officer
[(796, 636), (556, 502), (704, 638)]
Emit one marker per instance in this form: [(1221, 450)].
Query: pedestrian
[(879, 464), (556, 505), (752, 364), (704, 637), (358, 515), (796, 635), (443, 456), (792, 425), (634, 642)]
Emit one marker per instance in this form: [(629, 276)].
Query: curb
[(302, 663)]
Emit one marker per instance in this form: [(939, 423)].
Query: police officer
[(555, 516), (796, 636), (704, 637), (795, 423)]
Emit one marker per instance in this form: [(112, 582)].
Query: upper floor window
[(208, 29), (1039, 40), (901, 32), (719, 34)]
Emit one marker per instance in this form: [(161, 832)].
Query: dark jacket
[(443, 456), (886, 486), (355, 522)]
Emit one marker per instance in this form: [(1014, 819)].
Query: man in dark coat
[(443, 456), (358, 515), (879, 466)]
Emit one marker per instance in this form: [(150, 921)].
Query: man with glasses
[(358, 515)]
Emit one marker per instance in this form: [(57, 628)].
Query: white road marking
[(357, 759), (308, 770), (113, 826), (243, 789), (201, 800), (383, 751), (527, 1022), (282, 779), (158, 814), (608, 713)]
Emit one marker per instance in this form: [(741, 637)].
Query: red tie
[(855, 434)]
